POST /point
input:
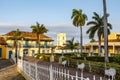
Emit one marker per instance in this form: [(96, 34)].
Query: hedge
[(95, 67), (94, 64)]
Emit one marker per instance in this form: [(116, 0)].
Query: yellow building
[(28, 44), (61, 39), (2, 47), (113, 44)]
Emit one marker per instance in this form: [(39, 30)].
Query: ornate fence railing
[(36, 71)]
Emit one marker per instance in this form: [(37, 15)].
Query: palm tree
[(39, 29), (15, 37), (92, 40), (79, 20), (71, 44), (105, 32), (96, 26)]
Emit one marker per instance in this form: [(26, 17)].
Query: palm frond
[(92, 23), (109, 25), (78, 17)]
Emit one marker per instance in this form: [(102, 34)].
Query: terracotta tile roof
[(2, 41), (111, 40), (29, 35), (64, 47)]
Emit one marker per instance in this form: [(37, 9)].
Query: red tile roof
[(111, 40), (29, 35), (2, 41)]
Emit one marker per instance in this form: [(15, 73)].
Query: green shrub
[(96, 58), (96, 67), (94, 64), (84, 54), (95, 54), (77, 58), (42, 57), (117, 58)]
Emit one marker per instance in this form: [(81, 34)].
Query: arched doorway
[(0, 52), (10, 54), (25, 51), (33, 53)]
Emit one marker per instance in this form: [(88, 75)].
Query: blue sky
[(54, 14)]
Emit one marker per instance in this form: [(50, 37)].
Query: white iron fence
[(49, 72)]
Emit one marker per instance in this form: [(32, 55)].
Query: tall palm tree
[(79, 20), (71, 44), (105, 32), (39, 29), (96, 26), (15, 37)]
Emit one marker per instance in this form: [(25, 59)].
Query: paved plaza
[(8, 71)]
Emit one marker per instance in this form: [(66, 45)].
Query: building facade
[(27, 44), (113, 45), (3, 52)]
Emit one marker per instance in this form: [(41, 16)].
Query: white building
[(61, 39)]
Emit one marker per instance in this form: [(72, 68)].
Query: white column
[(113, 48)]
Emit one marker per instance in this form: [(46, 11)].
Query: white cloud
[(68, 28), (59, 24), (9, 24)]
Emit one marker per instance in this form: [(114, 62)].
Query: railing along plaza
[(41, 71)]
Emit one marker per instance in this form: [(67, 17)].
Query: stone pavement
[(9, 71), (4, 63)]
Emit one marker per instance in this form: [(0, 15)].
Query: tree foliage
[(39, 29), (79, 20)]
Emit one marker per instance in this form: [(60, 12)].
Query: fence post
[(22, 63), (29, 68), (36, 71), (51, 72), (76, 75), (89, 67), (65, 73), (62, 73), (68, 74), (25, 66), (93, 77), (82, 74), (100, 78), (87, 79)]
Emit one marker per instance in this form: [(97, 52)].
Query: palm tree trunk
[(80, 40), (105, 32), (99, 51), (38, 40), (16, 51), (39, 45)]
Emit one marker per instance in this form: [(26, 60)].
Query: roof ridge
[(29, 35)]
